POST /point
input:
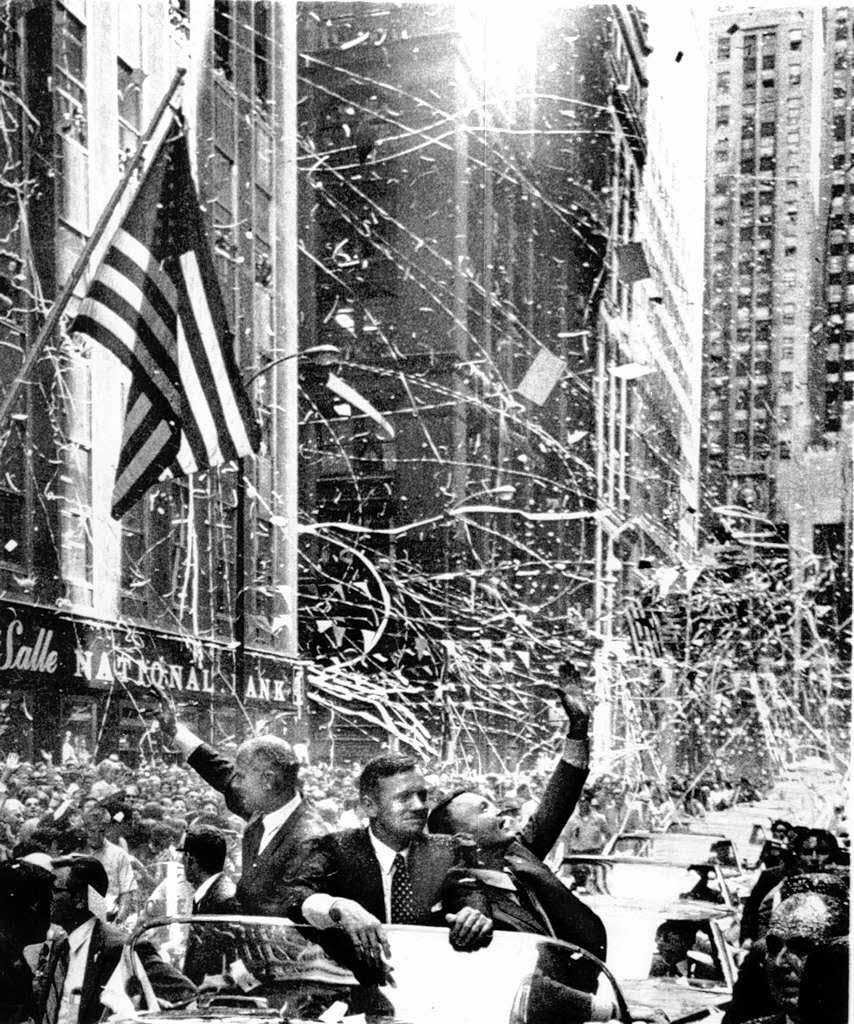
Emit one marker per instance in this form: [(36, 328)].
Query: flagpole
[(58, 307)]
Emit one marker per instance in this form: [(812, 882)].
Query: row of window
[(769, 42)]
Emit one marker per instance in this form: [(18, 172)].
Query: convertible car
[(667, 928), (267, 969)]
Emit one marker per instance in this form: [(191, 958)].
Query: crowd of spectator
[(133, 819)]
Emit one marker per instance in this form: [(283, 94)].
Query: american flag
[(155, 303)]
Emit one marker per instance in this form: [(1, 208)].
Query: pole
[(240, 581), (58, 307)]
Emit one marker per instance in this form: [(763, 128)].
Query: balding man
[(262, 786), (800, 925)]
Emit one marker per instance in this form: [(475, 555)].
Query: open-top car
[(267, 969), (685, 847), (667, 928)]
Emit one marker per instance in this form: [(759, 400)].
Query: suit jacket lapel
[(90, 990), (251, 841), (371, 877)]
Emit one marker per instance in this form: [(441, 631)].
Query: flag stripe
[(138, 428), (208, 357), (145, 467), (99, 323), (132, 249), (163, 307), (213, 312), (124, 298), (196, 399)]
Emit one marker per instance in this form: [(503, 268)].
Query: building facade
[(474, 196), (777, 389), (94, 611)]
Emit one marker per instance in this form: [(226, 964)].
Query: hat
[(205, 840)]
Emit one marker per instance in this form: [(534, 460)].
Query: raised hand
[(577, 711)]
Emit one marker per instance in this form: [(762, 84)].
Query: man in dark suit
[(204, 850), (389, 872), (85, 961), (25, 897), (805, 922), (523, 894), (262, 786)]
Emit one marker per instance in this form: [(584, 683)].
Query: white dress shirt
[(203, 888), (78, 953), (315, 908), (275, 819)]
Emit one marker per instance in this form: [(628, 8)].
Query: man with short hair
[(204, 850), (390, 872), (122, 892), (262, 786), (25, 897), (813, 850), (524, 895)]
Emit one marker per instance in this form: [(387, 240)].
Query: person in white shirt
[(84, 963), (121, 896)]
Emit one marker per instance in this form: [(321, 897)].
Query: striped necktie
[(57, 971)]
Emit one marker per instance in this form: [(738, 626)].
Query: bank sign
[(41, 647)]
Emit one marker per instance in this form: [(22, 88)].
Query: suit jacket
[(105, 951), (204, 953), (769, 878), (219, 899), (532, 898), (261, 873), (344, 864)]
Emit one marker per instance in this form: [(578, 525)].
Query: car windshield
[(641, 882), (679, 847), (270, 970)]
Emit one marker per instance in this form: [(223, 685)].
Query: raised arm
[(567, 780)]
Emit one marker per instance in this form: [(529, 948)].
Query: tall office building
[(773, 377), (762, 190)]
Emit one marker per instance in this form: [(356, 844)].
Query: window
[(788, 312), (723, 81), (263, 83), (13, 493), (128, 85), (786, 381), (724, 47), (768, 62), (722, 117), (71, 124), (796, 36), (767, 128), (794, 74), (223, 31), (749, 46), (790, 250)]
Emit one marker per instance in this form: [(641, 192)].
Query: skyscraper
[(776, 251)]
